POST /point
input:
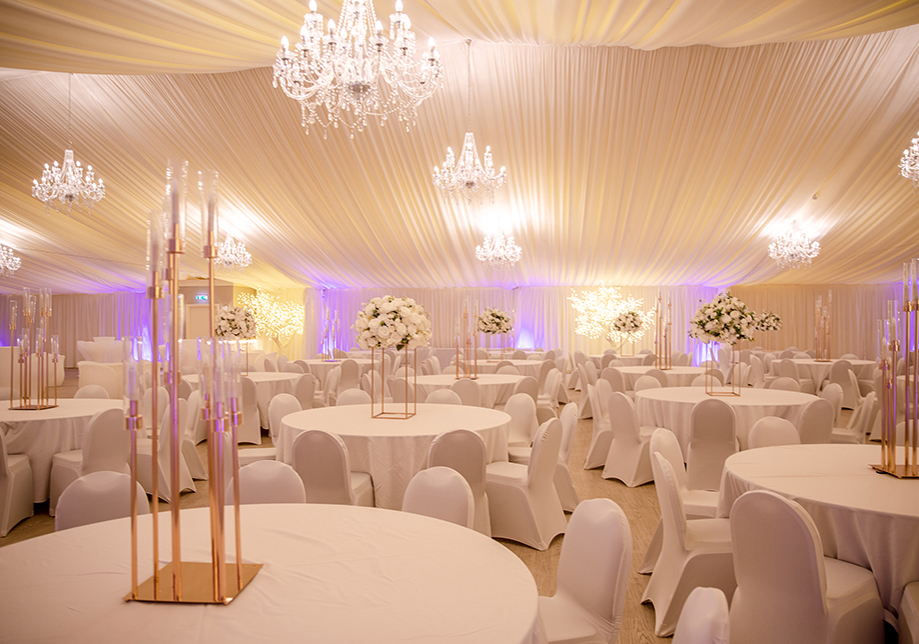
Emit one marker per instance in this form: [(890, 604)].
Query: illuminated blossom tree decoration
[(275, 318), (602, 312)]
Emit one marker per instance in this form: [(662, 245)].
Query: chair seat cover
[(909, 614)]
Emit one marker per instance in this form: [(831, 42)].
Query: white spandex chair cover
[(249, 430), (468, 391), (771, 430), (628, 456), (196, 423), (442, 493), (860, 423), (92, 373), (444, 397), (815, 424), (593, 573), (350, 376), (98, 496), (321, 460), (839, 374), (15, 488), (712, 440), (833, 393), (785, 384), (705, 618), (267, 482), (787, 591), (522, 427), (305, 390), (647, 382), (601, 434), (189, 452), (145, 459), (465, 452), (693, 553), (909, 614), (91, 391), (353, 397)]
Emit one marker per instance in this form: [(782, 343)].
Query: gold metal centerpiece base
[(900, 471), (197, 584), (33, 407)]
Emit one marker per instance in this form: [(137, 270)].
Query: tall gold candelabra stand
[(330, 332), (34, 351), (662, 347), (822, 329), (410, 395), (467, 347)]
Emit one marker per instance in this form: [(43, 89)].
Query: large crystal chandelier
[(909, 162), (498, 251), (232, 255), (354, 71), (793, 248), (9, 263), (65, 185), (468, 176)]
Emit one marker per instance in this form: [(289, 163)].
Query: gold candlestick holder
[(467, 350), (34, 355), (822, 329), (662, 347)]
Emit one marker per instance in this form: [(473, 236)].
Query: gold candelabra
[(330, 332), (36, 349), (467, 346), (662, 348), (822, 329)]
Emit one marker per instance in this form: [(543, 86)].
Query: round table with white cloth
[(42, 433), (628, 361), (863, 517), (268, 384), (391, 450), (819, 371), (321, 368), (524, 367), (494, 389), (332, 573), (676, 376), (671, 407)]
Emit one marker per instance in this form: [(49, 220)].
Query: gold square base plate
[(197, 584), (899, 471)]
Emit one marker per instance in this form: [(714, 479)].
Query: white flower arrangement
[(494, 321), (235, 322), (389, 321), (628, 323), (768, 322), (725, 319)]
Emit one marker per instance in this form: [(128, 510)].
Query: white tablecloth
[(863, 517), (495, 389), (332, 574), (321, 368), (677, 376), (671, 407), (394, 450), (268, 384), (525, 367), (628, 361), (40, 434), (820, 371)]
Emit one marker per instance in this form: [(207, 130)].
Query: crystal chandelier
[(9, 263), (793, 248), (65, 185), (469, 177), (498, 251), (232, 255), (353, 71), (909, 162)]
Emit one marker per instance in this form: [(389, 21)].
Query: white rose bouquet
[(628, 323), (495, 321), (768, 322), (389, 321), (725, 319), (235, 322)]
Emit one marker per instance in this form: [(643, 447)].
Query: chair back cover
[(659, 375), (787, 368), (350, 376), (868, 413), (673, 515), (771, 430), (98, 496), (591, 370), (665, 443), (833, 393), (705, 618), (305, 390), (267, 482), (468, 391), (529, 386), (523, 424), (268, 364), (785, 383), (90, 391), (402, 391), (712, 440), (280, 406), (196, 430), (757, 372), (519, 354), (623, 419), (569, 420), (465, 451), (444, 397), (321, 460), (546, 446), (544, 368), (146, 406), (353, 397), (92, 373), (647, 382), (649, 359), (250, 429), (614, 377), (106, 444), (442, 493), (815, 425), (372, 383), (330, 386)]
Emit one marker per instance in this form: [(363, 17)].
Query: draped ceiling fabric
[(647, 142)]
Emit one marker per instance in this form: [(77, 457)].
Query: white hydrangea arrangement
[(494, 321), (725, 319), (392, 322), (628, 323), (235, 322), (768, 322)]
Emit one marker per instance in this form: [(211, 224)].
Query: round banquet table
[(392, 451), (331, 573), (676, 376), (505, 354), (525, 367), (494, 389), (40, 434), (321, 368), (268, 384), (863, 517), (820, 371), (628, 361), (671, 407)]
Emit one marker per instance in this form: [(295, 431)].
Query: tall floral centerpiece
[(494, 322), (768, 321), (629, 325), (236, 323), (725, 320), (392, 323)]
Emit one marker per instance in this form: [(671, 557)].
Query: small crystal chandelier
[(65, 184), (9, 263), (468, 176), (232, 255), (793, 248), (354, 71), (498, 251), (909, 162)]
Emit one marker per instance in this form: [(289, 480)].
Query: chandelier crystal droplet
[(498, 251), (353, 71), (909, 162), (9, 263), (793, 248), (232, 255)]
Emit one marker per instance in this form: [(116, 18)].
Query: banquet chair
[(693, 553), (712, 439), (647, 382), (616, 380), (605, 360), (350, 376), (628, 456), (601, 434), (659, 375), (805, 355), (593, 573), (833, 393), (745, 355), (529, 386), (519, 354), (768, 359), (92, 373), (372, 383), (193, 421), (339, 354), (290, 367), (547, 401), (504, 363), (468, 391), (787, 368), (866, 381), (267, 482), (859, 423), (279, 407), (909, 614), (785, 384), (815, 424), (260, 360), (433, 365), (321, 459), (146, 406), (268, 364), (839, 374), (590, 368), (281, 361), (444, 397), (197, 424), (524, 505), (98, 496), (330, 387), (585, 410), (303, 364), (106, 447), (16, 491), (522, 426), (781, 572), (353, 397), (714, 374), (852, 391), (550, 355), (787, 353), (649, 359), (564, 486), (401, 390), (705, 618), (305, 390), (184, 389), (698, 381), (91, 391), (464, 451), (757, 373), (509, 369), (442, 493), (769, 431), (697, 504), (681, 359), (404, 372), (145, 459), (250, 429)]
